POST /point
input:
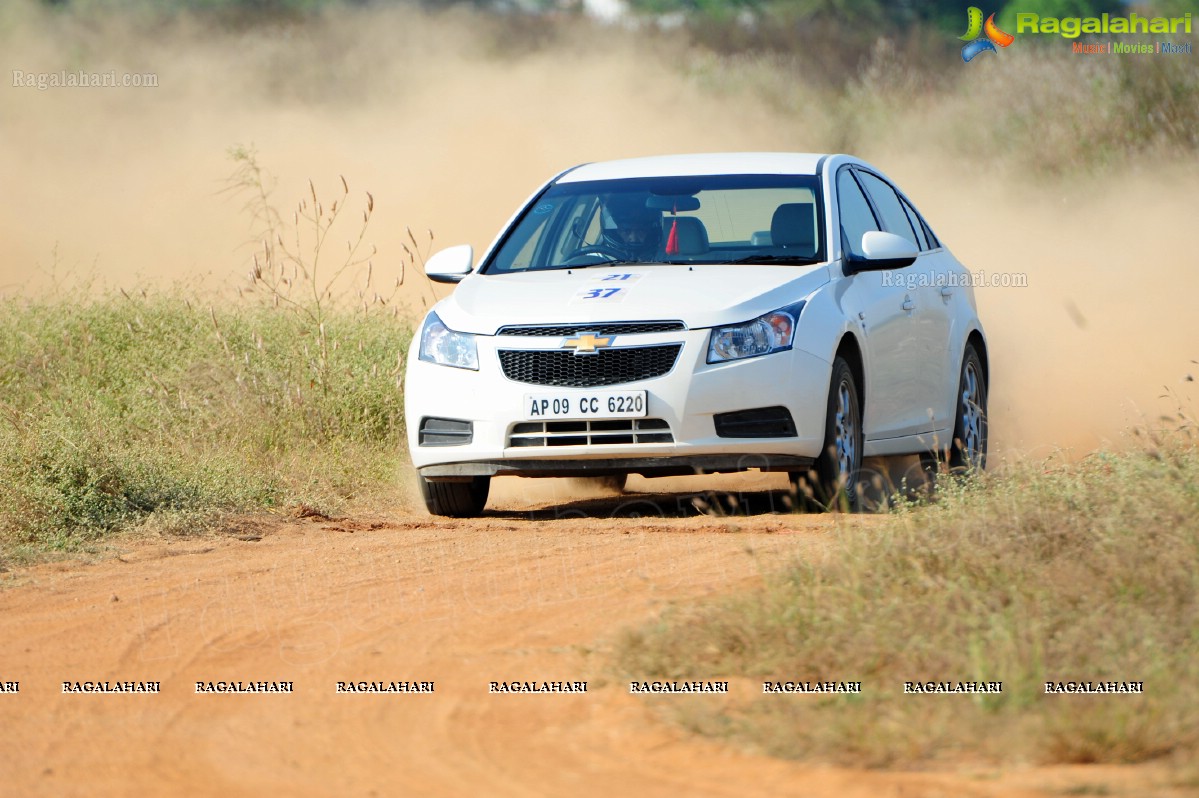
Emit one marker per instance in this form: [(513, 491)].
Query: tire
[(969, 450), (931, 465), (455, 499), (837, 469)]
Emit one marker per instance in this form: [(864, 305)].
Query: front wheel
[(455, 499), (836, 471)]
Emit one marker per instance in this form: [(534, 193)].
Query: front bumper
[(684, 401)]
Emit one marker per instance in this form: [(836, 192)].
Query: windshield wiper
[(559, 266), (798, 260)]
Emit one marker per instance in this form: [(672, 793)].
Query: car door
[(948, 290), (929, 316), (879, 303)]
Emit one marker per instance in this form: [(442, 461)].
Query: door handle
[(908, 304), (946, 291)]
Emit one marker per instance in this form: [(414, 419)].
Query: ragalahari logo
[(982, 37)]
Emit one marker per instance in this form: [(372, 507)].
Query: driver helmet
[(634, 226)]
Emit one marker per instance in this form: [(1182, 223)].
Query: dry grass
[(171, 411), (132, 409), (127, 409), (1087, 572)]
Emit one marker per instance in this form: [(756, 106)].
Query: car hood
[(699, 295)]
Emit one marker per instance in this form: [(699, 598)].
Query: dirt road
[(518, 596)]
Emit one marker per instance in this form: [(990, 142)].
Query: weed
[(136, 407), (1044, 573)]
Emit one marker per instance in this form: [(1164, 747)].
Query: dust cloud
[(450, 124), (1103, 337), (450, 121)]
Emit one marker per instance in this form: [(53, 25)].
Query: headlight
[(773, 332), (439, 344)]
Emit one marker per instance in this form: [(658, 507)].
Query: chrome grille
[(591, 433), (605, 367), (599, 328)]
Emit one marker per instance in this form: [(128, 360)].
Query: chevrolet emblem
[(586, 343)]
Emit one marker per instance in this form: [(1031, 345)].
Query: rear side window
[(915, 222), (887, 201), (933, 241), (856, 217)]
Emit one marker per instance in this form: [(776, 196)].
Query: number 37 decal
[(606, 288)]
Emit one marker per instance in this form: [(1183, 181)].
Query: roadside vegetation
[(1077, 572), (169, 412), (125, 410)]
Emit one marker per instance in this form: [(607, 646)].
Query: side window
[(921, 225), (933, 241), (914, 220), (856, 217), (887, 202)]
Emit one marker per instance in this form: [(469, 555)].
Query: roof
[(728, 163)]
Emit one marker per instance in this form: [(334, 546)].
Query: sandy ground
[(532, 592)]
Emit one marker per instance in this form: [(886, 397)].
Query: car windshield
[(772, 219)]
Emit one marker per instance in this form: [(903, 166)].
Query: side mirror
[(881, 251), (450, 265)]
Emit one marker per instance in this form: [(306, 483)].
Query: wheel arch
[(975, 339), (851, 352)]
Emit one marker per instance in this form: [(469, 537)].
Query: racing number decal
[(607, 287), (601, 294)]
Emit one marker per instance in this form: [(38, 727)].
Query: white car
[(691, 314)]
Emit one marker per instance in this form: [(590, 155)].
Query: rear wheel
[(455, 499), (836, 471), (969, 450)]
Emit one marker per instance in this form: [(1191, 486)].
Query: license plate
[(604, 404)]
